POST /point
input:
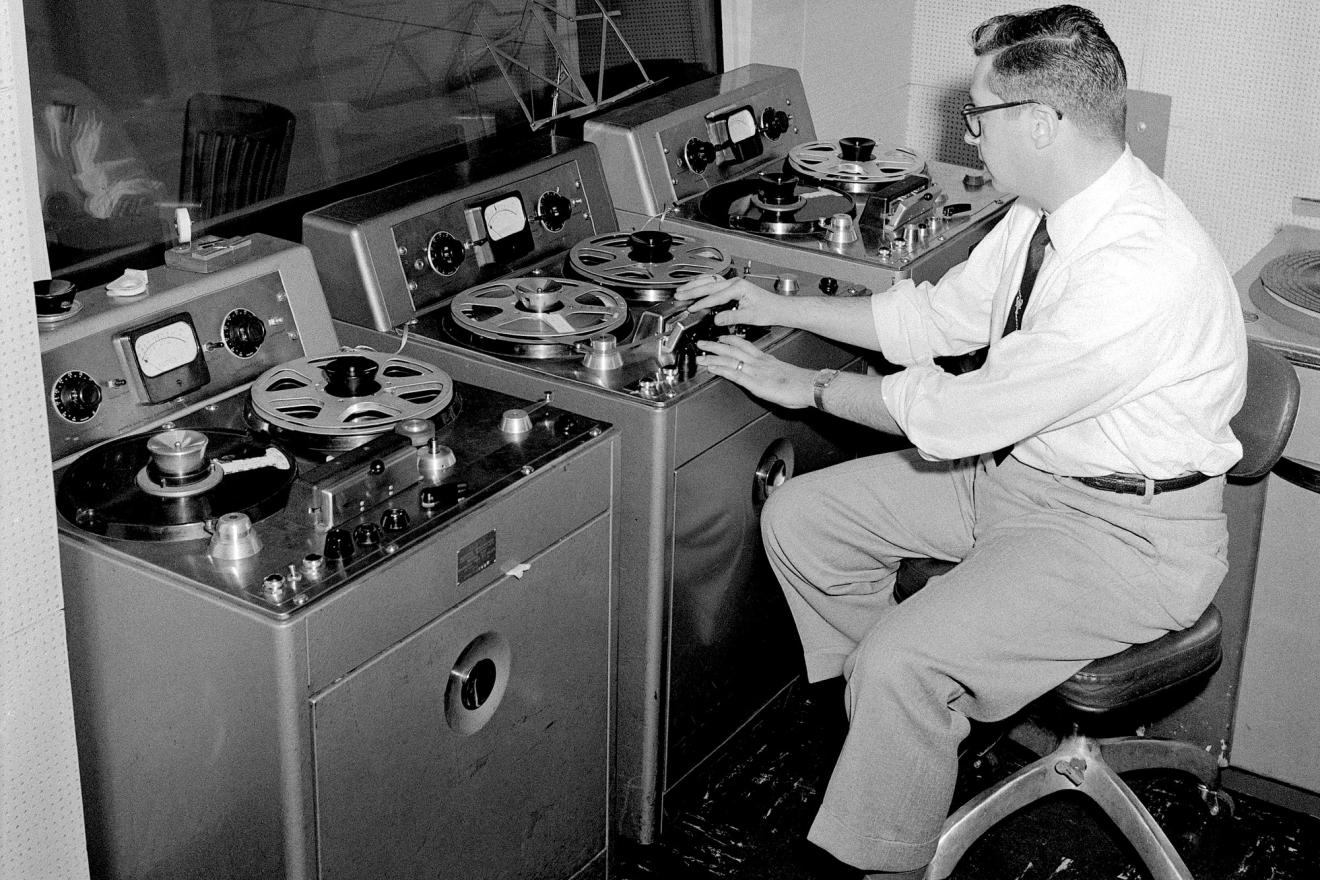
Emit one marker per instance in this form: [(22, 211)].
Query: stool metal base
[(1077, 764)]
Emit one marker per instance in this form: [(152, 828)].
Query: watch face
[(823, 378)]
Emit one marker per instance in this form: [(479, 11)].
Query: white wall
[(41, 819), (854, 56), (1244, 135)]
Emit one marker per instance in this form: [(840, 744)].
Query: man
[(1122, 359)]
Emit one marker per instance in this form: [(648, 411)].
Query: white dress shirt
[(1132, 353)]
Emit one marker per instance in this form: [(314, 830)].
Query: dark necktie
[(974, 360), (1035, 256)]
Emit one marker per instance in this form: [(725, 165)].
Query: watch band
[(823, 378)]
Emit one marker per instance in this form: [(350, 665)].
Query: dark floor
[(744, 816)]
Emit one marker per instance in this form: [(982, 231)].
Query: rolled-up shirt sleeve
[(917, 322)]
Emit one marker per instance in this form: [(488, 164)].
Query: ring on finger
[(740, 365)]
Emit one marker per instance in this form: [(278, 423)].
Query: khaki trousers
[(1053, 574)]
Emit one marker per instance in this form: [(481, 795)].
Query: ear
[(1045, 124)]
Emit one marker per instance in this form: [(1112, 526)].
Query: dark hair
[(1063, 58)]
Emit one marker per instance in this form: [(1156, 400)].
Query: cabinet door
[(732, 641), (477, 746)]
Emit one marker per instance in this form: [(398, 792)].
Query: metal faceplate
[(109, 368), (387, 256), (646, 147)]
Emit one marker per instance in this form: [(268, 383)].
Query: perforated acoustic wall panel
[(1245, 125), (854, 57), (41, 829)]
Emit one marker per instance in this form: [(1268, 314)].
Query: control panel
[(436, 236), (120, 364), (746, 118), (452, 246)]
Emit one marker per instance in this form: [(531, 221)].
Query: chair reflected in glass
[(235, 153)]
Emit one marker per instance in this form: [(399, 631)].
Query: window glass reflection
[(223, 106)]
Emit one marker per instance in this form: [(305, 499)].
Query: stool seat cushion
[(1133, 675)]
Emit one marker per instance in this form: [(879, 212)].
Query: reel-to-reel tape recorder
[(734, 160), (586, 313), (295, 578)]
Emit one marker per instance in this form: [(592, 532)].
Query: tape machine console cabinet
[(512, 274), (330, 613)]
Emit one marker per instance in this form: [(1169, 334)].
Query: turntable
[(585, 313), (295, 577), (734, 160)]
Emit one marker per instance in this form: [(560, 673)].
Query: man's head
[(1061, 57)]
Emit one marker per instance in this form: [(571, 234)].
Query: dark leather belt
[(1128, 485)]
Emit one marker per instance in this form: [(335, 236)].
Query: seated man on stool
[(1075, 469)]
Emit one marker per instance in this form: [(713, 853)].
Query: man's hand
[(755, 307), (768, 378)]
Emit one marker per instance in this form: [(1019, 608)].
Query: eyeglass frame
[(970, 110)]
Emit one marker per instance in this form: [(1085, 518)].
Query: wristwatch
[(823, 378)]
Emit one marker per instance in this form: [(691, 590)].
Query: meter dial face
[(742, 126), (165, 348), (504, 218)]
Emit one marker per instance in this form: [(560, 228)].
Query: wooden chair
[(235, 153)]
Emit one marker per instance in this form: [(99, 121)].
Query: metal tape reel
[(823, 161), (612, 259), (293, 397), (536, 309)]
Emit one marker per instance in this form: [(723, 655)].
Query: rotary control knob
[(840, 229), (603, 354), (434, 459), (367, 535), (698, 154), (515, 421), (554, 210), (338, 544), (444, 253), (774, 123), (395, 519), (243, 333), (829, 286), (76, 396)]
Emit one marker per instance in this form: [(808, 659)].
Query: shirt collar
[(1075, 218)]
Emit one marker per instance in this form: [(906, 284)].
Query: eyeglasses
[(971, 111)]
